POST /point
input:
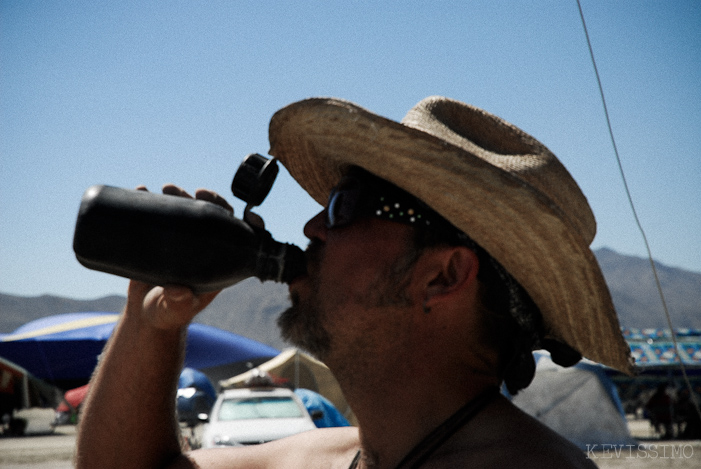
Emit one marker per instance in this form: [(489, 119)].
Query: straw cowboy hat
[(496, 183)]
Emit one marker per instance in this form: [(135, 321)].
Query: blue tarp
[(314, 401), (66, 346)]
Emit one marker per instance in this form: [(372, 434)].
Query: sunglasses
[(370, 196)]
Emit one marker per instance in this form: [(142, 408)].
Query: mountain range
[(250, 308)]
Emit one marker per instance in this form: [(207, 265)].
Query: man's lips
[(312, 255)]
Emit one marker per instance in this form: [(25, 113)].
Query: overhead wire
[(637, 219)]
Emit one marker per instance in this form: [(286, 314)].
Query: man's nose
[(316, 227)]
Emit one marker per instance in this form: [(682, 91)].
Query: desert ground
[(55, 451)]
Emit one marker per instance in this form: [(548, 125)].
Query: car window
[(259, 408)]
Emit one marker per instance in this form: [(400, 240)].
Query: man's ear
[(453, 269)]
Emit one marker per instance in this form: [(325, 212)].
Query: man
[(451, 245)]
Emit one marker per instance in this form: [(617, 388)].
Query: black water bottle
[(163, 239)]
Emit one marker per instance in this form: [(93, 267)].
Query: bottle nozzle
[(280, 262)]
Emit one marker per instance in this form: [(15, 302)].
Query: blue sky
[(146, 92)]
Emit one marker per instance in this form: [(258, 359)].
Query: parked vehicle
[(255, 415)]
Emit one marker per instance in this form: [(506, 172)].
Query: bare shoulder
[(504, 436), (322, 448)]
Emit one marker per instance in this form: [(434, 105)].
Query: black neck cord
[(426, 447)]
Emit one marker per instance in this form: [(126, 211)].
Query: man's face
[(355, 272)]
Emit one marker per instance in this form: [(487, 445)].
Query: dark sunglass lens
[(341, 208), (332, 209)]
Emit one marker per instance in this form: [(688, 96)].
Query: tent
[(63, 349), (25, 402), (580, 403), (20, 390), (196, 395), (299, 370)]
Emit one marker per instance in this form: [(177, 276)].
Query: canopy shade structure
[(654, 348), (299, 370), (657, 362), (63, 349)]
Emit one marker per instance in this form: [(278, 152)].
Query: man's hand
[(169, 307)]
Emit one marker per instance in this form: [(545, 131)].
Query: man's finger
[(172, 189), (211, 196)]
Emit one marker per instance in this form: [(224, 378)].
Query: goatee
[(301, 327), (301, 323)]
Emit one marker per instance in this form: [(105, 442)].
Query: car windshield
[(259, 408)]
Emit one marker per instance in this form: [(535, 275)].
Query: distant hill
[(251, 307), (635, 295), (18, 310)]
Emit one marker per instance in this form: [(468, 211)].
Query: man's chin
[(304, 331)]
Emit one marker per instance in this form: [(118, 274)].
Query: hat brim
[(319, 138)]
